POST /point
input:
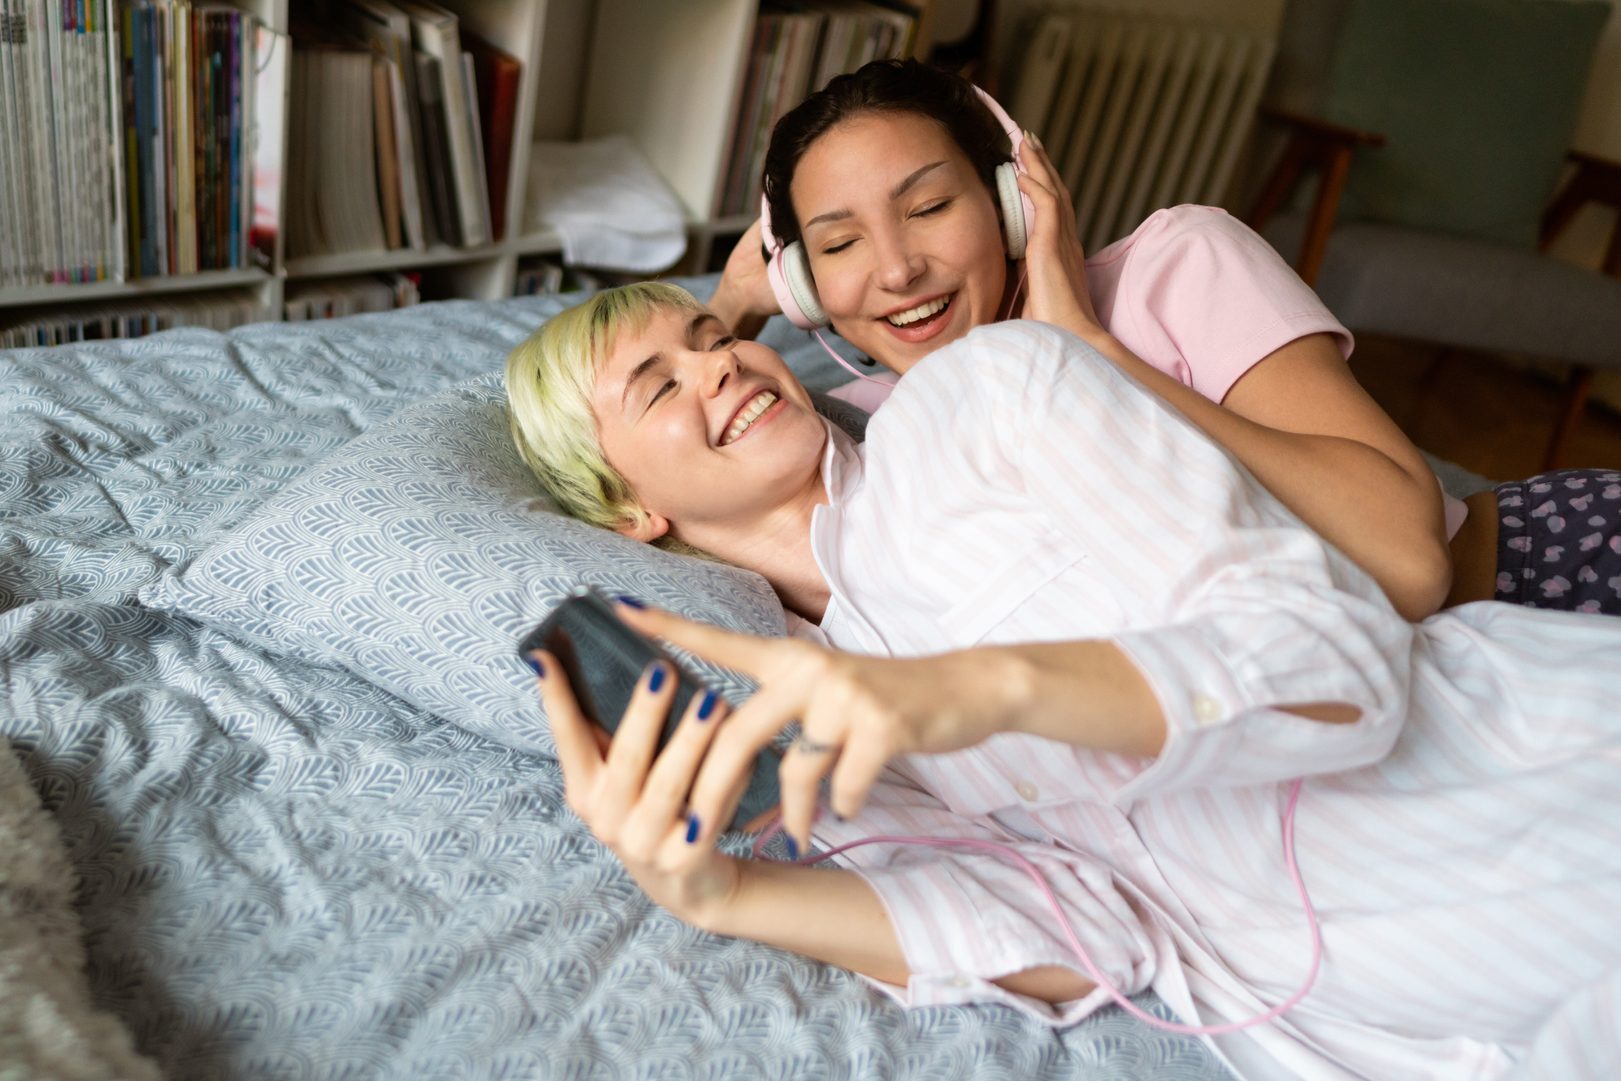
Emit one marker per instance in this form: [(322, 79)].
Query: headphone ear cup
[(1015, 229), (796, 275)]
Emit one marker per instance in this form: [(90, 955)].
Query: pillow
[(1478, 100), (419, 554)]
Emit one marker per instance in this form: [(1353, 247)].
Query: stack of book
[(127, 149), (399, 131), (131, 319), (332, 299), (59, 193), (795, 51)]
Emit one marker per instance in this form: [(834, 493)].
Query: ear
[(649, 529)]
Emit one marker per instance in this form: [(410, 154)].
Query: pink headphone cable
[(1004, 852)]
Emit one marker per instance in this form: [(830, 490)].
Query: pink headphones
[(788, 268)]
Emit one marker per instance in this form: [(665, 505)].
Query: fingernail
[(706, 705), (629, 602), (692, 829), (538, 665), (656, 679), (793, 846)]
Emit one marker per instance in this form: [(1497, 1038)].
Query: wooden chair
[(1456, 292)]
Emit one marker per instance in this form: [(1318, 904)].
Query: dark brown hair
[(887, 86)]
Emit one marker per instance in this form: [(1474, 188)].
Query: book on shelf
[(538, 279), (470, 88), (388, 29), (349, 296), (126, 151), (436, 32), (56, 210), (271, 56), (337, 98), (128, 319), (795, 50), (388, 165), (498, 75), (441, 184)]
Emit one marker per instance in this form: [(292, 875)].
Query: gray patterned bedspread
[(287, 873)]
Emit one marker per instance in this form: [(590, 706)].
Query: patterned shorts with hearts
[(1559, 541)]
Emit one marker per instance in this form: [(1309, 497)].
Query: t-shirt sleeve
[(1202, 297)]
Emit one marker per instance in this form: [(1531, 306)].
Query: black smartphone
[(604, 659)]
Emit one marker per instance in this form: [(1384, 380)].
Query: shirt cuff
[(1199, 698), (952, 963), (971, 991)]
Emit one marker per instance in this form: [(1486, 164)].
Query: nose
[(718, 369), (898, 265)]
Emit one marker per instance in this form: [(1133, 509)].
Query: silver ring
[(811, 746)]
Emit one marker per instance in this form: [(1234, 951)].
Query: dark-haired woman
[(886, 178)]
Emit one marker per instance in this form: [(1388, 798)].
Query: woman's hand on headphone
[(855, 714), (743, 299), (1056, 290)]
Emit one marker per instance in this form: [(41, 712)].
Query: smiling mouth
[(747, 416), (924, 313)]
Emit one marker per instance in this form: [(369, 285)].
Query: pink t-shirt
[(1200, 296)]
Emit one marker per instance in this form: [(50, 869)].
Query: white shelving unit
[(665, 72)]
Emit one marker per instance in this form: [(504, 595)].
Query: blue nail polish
[(536, 664), (656, 680), (692, 828), (706, 705), (793, 846), (629, 602)]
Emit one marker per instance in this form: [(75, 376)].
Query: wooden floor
[(1485, 416)]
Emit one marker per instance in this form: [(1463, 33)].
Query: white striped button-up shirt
[(1461, 841)]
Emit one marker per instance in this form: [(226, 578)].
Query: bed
[(304, 851)]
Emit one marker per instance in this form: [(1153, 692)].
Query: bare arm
[(1299, 421), (834, 916), (634, 799), (743, 299)]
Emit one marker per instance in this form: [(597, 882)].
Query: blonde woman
[(1080, 630)]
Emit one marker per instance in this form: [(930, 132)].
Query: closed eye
[(668, 385), (836, 248), (932, 208)]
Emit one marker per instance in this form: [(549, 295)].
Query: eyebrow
[(646, 365), (894, 193)]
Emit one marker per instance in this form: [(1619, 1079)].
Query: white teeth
[(757, 405), (922, 311)]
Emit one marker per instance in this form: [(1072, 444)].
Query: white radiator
[(1137, 112)]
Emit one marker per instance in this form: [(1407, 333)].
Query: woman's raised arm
[(743, 300), (1297, 419)]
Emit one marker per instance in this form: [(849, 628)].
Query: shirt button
[(960, 981), (1027, 790), (1205, 708)]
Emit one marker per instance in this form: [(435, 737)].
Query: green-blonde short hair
[(550, 377)]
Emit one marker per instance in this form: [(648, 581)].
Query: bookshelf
[(667, 74)]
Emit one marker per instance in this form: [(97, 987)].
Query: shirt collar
[(842, 463)]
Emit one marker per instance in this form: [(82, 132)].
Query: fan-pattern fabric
[(289, 871)]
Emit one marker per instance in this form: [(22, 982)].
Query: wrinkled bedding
[(287, 873)]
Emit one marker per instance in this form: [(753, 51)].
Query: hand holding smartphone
[(604, 660)]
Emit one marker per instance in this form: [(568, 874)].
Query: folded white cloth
[(607, 202)]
